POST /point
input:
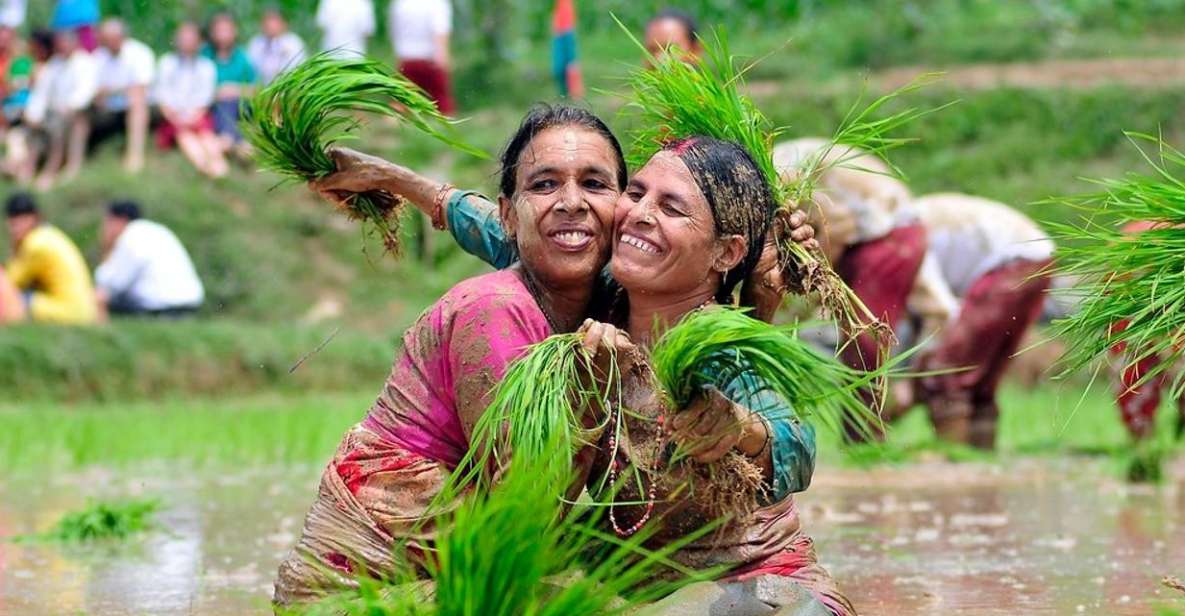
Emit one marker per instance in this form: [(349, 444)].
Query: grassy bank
[(135, 360), (306, 428)]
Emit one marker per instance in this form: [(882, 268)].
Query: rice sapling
[(1135, 279), (103, 520), (673, 99), (311, 107)]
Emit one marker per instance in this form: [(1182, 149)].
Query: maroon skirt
[(433, 79)]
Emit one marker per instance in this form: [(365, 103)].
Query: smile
[(572, 239), (640, 244)]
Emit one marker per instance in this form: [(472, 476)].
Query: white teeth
[(572, 236), (640, 244)]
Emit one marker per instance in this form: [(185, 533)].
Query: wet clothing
[(995, 259), (49, 267)]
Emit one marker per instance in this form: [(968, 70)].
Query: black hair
[(738, 193), (683, 17), (127, 210), (542, 117), (19, 204), (42, 38)]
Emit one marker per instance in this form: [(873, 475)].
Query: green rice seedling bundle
[(306, 110), (104, 520), (675, 99), (1136, 279)]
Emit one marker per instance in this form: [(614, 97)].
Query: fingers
[(593, 333)]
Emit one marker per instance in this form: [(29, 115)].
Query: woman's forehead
[(565, 146)]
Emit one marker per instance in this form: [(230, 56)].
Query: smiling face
[(666, 239), (561, 213)]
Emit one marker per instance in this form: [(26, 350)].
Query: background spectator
[(20, 155), (345, 25), (565, 61), (420, 35), (47, 267), (184, 92), (274, 48), (673, 28), (62, 91), (80, 16), (12, 13), (126, 69), (16, 70), (145, 268), (12, 307), (234, 80)]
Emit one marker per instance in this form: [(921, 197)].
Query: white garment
[(134, 65), (185, 84), (969, 237), (855, 180), (270, 57), (12, 13), (64, 85), (414, 26), (150, 268), (345, 25)]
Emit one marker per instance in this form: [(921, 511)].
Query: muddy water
[(1029, 537)]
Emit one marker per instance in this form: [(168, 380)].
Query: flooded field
[(1041, 536)]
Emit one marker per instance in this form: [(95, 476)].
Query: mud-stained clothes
[(378, 487), (474, 224), (994, 259), (51, 273)]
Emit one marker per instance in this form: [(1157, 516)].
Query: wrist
[(755, 437)]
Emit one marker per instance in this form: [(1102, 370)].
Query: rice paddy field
[(212, 433)]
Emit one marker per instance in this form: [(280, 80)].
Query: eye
[(595, 184), (543, 185), (671, 209), (635, 195)]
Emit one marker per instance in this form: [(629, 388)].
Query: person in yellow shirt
[(47, 267)]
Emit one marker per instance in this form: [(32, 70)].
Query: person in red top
[(1138, 400), (565, 59)]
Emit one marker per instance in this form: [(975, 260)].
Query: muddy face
[(666, 240), (561, 214)]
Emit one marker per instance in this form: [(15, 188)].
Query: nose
[(571, 200), (642, 213)]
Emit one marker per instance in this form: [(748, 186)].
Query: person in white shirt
[(185, 87), (12, 13), (275, 48), (420, 32), (985, 283), (146, 269), (60, 96), (345, 25), (126, 70)]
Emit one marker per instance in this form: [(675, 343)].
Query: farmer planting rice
[(870, 232), (982, 288)]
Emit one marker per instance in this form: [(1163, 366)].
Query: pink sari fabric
[(376, 491)]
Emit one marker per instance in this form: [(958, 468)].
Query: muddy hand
[(712, 425), (356, 173), (610, 348)]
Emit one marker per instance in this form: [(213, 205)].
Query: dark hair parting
[(542, 117)]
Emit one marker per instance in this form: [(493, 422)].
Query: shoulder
[(501, 290), (137, 49)]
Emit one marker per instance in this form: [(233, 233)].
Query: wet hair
[(683, 17), (127, 210), (20, 204), (738, 193), (542, 117)]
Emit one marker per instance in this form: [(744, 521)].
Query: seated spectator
[(185, 86), (79, 17), (345, 25), (274, 49), (235, 78), (20, 155), (46, 267), (145, 270), (16, 70), (420, 35), (57, 109), (12, 308), (12, 13), (126, 69)]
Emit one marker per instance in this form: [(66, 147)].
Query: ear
[(730, 251), (508, 216)]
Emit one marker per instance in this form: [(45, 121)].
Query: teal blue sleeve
[(473, 221), (792, 442)]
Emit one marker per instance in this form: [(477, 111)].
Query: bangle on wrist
[(438, 221)]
